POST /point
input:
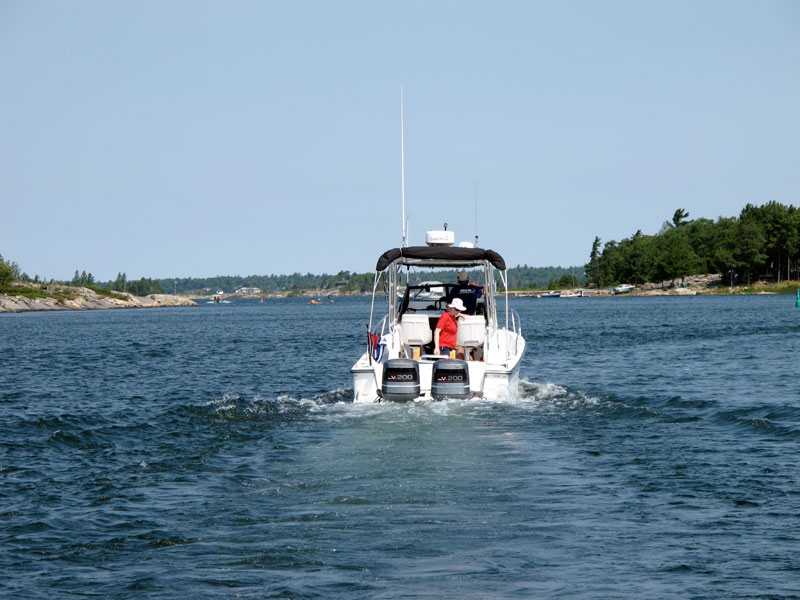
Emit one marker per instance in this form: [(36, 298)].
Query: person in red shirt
[(444, 336)]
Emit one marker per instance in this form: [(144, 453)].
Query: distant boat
[(624, 288), (315, 301), (551, 295)]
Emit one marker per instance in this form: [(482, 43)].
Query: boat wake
[(236, 407), (232, 407), (554, 395)]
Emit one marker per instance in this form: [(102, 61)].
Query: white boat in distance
[(399, 364), (624, 288)]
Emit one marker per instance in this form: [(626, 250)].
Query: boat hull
[(492, 382)]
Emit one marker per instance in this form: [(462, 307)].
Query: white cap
[(458, 304)]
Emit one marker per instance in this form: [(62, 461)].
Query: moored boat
[(624, 288)]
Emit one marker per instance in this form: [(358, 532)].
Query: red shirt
[(449, 326)]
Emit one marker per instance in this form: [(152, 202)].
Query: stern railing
[(516, 328)]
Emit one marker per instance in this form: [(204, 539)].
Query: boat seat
[(471, 331), (415, 330)]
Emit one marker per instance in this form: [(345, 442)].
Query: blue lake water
[(214, 452)]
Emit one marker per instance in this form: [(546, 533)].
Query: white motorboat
[(399, 363), (624, 288)]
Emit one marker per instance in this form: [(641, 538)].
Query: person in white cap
[(446, 332)]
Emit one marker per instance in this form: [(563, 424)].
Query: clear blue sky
[(189, 138)]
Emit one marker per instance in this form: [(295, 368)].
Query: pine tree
[(679, 218), (592, 270)]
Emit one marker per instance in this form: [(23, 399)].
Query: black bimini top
[(443, 255)]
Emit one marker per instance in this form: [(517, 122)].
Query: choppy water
[(214, 452)]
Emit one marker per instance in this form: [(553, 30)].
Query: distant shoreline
[(305, 294), (706, 285), (79, 298)]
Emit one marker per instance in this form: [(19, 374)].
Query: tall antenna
[(402, 170), (476, 213)]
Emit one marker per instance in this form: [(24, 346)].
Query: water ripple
[(213, 452)]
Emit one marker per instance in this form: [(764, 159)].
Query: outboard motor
[(400, 380), (450, 380)]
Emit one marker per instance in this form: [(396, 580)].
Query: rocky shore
[(81, 298), (695, 285)]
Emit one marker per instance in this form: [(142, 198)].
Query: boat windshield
[(427, 289), (425, 297)]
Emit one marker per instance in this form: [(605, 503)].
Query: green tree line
[(143, 286), (138, 287), (350, 281), (84, 279), (763, 242), (267, 283), (521, 277), (10, 271)]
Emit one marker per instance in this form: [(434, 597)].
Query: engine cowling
[(400, 381), (450, 380)]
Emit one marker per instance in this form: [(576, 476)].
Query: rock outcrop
[(80, 298)]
